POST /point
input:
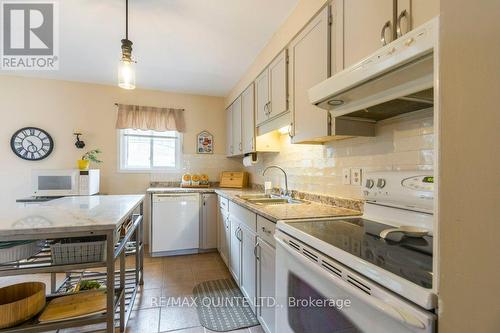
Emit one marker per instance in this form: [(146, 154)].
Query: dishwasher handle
[(175, 197)]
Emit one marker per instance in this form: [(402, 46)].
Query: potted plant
[(90, 156)]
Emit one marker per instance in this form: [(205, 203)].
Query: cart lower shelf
[(128, 292)]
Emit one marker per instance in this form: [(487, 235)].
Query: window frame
[(122, 158)]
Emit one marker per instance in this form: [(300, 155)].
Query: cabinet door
[(278, 85), (363, 25), (229, 132), (235, 249), (266, 284), (262, 97), (310, 61), (248, 120), (222, 239), (248, 274), (236, 128), (209, 225)]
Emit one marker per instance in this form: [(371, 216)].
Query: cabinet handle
[(257, 256), (386, 26), (240, 146), (404, 14), (269, 108)]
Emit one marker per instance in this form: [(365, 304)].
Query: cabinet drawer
[(223, 203), (265, 229), (244, 215)]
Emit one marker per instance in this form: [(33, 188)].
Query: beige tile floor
[(165, 279)]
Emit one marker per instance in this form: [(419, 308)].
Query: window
[(149, 150)]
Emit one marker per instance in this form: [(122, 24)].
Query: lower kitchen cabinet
[(208, 227), (235, 249), (251, 257), (248, 264), (266, 284), (223, 235)]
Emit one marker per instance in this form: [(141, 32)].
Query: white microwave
[(68, 182)]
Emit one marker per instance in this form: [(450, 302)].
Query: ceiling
[(192, 46)]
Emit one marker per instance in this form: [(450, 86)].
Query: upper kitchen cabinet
[(278, 85), (262, 96), (248, 120), (271, 90), (414, 13), (236, 128), (367, 26), (229, 131), (309, 65)]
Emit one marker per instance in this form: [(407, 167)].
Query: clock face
[(31, 143)]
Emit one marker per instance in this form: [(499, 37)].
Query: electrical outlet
[(356, 176), (346, 176)]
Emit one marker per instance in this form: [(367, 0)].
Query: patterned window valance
[(150, 118)]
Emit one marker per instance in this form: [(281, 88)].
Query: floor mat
[(222, 307)]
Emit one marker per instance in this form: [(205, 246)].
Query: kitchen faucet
[(284, 173)]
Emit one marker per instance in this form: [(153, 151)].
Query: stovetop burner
[(409, 258)]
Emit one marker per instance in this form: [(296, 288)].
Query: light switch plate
[(346, 176), (356, 176)]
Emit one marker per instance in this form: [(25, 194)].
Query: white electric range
[(340, 275)]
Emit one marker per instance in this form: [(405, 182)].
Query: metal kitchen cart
[(122, 282)]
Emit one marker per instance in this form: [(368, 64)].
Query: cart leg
[(110, 282), (141, 249), (122, 287), (52, 282)]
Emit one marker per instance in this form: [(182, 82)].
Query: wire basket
[(76, 251)]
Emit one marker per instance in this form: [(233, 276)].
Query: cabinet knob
[(409, 41)]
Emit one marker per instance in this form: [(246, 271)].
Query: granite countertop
[(306, 210), (68, 214)]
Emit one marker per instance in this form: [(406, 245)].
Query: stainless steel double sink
[(269, 199)]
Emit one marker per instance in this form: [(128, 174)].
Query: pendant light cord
[(126, 19)]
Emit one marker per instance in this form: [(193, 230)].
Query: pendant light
[(126, 68)]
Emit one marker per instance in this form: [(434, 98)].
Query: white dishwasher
[(175, 227)]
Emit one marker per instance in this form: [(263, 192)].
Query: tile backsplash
[(405, 143), (210, 164)]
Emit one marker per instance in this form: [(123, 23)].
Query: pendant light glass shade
[(126, 74), (126, 67)]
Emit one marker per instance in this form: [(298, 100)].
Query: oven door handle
[(390, 310)]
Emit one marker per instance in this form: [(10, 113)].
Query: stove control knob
[(381, 183), (369, 183)]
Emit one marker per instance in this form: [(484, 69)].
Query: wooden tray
[(78, 305)]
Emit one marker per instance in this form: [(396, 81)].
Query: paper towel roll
[(248, 160)]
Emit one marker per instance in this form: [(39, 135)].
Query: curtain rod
[(116, 104)]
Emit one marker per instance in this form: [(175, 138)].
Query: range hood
[(397, 79)]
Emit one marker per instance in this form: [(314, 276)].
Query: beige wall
[(469, 177), (406, 143), (302, 13), (60, 107)]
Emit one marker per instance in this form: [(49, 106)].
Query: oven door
[(316, 294)]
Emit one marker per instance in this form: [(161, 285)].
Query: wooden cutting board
[(73, 306)]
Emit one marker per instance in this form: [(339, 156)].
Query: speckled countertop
[(68, 214), (306, 210)]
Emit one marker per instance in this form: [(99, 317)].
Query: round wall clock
[(31, 143)]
